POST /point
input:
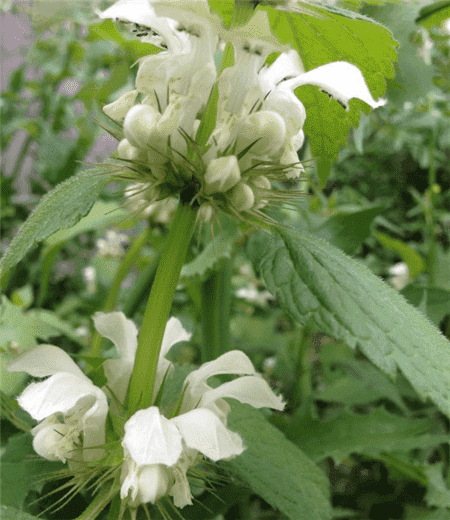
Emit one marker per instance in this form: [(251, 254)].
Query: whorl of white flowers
[(156, 448), (217, 137)]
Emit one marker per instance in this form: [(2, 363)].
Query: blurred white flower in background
[(399, 275)]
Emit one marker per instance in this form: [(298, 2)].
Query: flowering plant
[(222, 113)]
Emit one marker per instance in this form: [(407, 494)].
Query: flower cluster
[(219, 135), (157, 445)]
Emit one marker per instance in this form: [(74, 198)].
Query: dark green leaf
[(434, 14), (370, 434), (276, 469), (60, 208), (318, 283)]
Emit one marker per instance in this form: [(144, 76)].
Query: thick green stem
[(140, 393), (122, 271), (216, 305)]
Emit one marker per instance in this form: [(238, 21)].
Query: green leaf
[(220, 247), (435, 302), (19, 331), (22, 470), (317, 283), (370, 434), (11, 513), (434, 14), (60, 208), (102, 215), (414, 261), (356, 382), (330, 34), (347, 230), (276, 469)]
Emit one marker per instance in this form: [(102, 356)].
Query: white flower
[(123, 334), (112, 244), (399, 275), (67, 404), (158, 451)]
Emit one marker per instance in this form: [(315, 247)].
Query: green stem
[(22, 155), (121, 273), (98, 504), (216, 306), (140, 393)]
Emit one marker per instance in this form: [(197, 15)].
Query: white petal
[(340, 79), (150, 438), (288, 64), (118, 109), (120, 330), (253, 390), (59, 393), (202, 430), (174, 333), (45, 360), (233, 362)]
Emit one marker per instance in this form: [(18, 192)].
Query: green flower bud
[(205, 212), (222, 174), (242, 197), (267, 128)]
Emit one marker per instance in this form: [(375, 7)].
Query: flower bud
[(261, 183), (153, 483), (242, 197), (205, 212), (118, 109), (130, 153), (265, 127), (221, 174), (140, 125), (287, 105)]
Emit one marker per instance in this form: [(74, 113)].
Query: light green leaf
[(414, 261), (370, 434), (220, 247), (437, 493), (60, 208), (330, 34), (316, 282), (276, 469)]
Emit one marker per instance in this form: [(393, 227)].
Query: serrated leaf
[(435, 302), (60, 208), (370, 434), (101, 215), (220, 247), (276, 469), (22, 470), (331, 34), (316, 282)]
